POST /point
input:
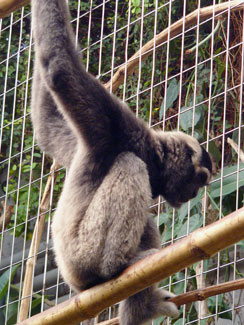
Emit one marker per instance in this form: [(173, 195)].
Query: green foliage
[(11, 299), (172, 95), (4, 280), (178, 225), (232, 182)]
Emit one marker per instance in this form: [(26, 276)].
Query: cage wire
[(192, 81)]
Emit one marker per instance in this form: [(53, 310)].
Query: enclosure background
[(192, 82)]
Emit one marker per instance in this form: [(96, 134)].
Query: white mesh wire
[(192, 82)]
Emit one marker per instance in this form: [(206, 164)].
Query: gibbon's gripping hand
[(187, 167)]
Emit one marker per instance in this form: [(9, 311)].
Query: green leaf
[(159, 320), (180, 283), (12, 313), (167, 235), (136, 3), (186, 118), (163, 218), (222, 306), (36, 302), (227, 188), (229, 182), (183, 210), (4, 280), (215, 152), (171, 95), (195, 222)]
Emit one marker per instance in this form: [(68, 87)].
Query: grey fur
[(115, 166)]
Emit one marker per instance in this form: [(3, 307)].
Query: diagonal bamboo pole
[(199, 245), (8, 6)]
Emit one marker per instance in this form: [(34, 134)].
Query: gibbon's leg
[(128, 238), (107, 230), (146, 305), (96, 231), (52, 131), (151, 302)]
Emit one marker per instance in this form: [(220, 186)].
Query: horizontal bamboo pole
[(199, 245)]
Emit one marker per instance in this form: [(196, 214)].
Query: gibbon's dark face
[(183, 177)]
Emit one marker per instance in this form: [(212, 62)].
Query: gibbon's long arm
[(86, 104), (52, 132)]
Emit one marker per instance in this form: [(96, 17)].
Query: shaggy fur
[(115, 166)]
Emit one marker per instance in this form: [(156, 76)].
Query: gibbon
[(115, 164)]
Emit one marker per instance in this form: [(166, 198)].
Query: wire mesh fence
[(190, 80)]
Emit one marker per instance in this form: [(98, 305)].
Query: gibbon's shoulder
[(129, 164)]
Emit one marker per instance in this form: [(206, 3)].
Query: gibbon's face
[(185, 175)]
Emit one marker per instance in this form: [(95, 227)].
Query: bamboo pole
[(195, 295), (199, 245), (202, 306), (35, 243), (8, 6)]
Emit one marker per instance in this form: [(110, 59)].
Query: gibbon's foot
[(167, 307), (147, 305)]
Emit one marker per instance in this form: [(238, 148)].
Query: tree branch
[(171, 31), (199, 245), (7, 6), (238, 150), (196, 295), (5, 217)]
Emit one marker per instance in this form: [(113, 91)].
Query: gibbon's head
[(185, 167)]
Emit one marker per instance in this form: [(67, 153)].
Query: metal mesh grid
[(193, 82)]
